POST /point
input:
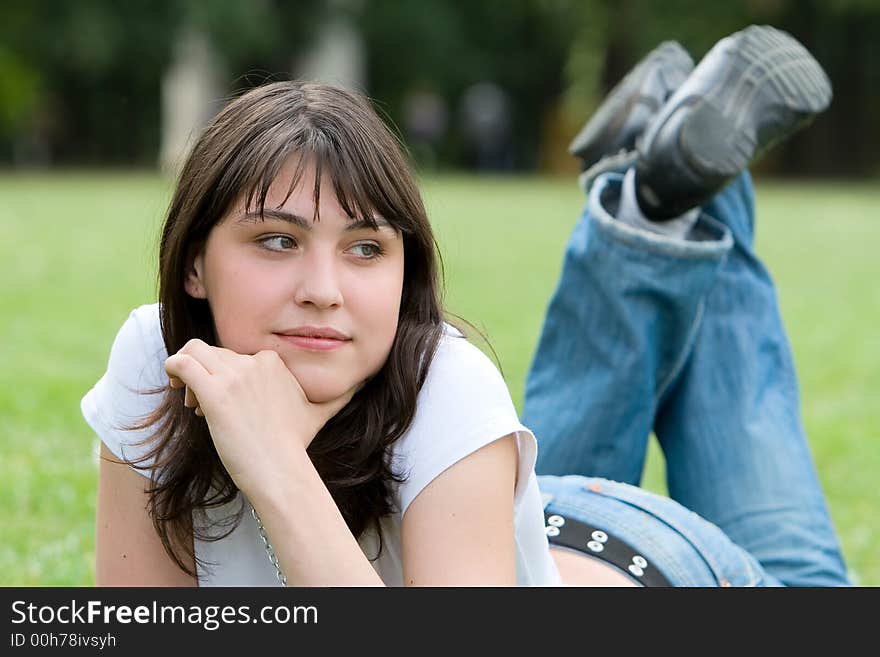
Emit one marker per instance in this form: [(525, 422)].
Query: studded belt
[(568, 532)]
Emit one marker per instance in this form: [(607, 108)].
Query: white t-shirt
[(463, 405)]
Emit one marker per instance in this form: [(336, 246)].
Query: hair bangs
[(362, 180), (266, 161), (362, 183)]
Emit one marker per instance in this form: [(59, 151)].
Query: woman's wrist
[(308, 534), (285, 483)]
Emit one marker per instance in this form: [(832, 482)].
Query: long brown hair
[(238, 156)]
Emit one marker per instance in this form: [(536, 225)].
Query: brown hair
[(238, 155)]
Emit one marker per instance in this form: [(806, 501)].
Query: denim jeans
[(682, 337)]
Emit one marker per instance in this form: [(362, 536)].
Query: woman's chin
[(324, 384), (319, 392), (320, 397)]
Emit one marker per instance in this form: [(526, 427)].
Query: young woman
[(297, 410), (310, 375)]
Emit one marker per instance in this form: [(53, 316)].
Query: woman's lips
[(314, 344)]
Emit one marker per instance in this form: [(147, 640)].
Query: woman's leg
[(683, 335), (642, 324), (617, 331), (730, 426)]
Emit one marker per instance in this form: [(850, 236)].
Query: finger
[(199, 411), (189, 399), (213, 359), (189, 370)]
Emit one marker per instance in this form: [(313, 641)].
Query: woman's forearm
[(308, 533)]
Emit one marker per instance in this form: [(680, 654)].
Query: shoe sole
[(767, 57)]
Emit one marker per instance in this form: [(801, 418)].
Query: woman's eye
[(278, 242), (367, 251)]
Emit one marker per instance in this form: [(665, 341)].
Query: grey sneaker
[(633, 102), (753, 89)]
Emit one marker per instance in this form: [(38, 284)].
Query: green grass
[(76, 255)]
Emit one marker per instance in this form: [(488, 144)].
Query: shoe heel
[(713, 152)]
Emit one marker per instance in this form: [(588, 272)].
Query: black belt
[(568, 532)]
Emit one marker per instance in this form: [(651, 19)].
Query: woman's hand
[(256, 410)]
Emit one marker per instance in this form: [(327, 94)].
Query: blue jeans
[(683, 338)]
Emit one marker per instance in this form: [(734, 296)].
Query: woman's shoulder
[(464, 396), (127, 391), (139, 347), (457, 360), (146, 319), (463, 405)]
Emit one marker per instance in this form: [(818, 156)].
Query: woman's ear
[(194, 282)]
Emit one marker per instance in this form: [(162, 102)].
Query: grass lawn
[(77, 256)]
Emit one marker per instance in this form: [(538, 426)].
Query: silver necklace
[(282, 578)]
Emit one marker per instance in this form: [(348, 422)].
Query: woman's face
[(271, 283)]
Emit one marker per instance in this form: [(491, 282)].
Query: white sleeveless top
[(463, 406)]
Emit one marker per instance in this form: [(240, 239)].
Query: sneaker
[(633, 102), (753, 89)]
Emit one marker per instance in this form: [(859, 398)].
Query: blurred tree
[(98, 65), (80, 81), (449, 45), (93, 67), (21, 94)]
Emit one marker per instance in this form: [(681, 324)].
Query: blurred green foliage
[(80, 80)]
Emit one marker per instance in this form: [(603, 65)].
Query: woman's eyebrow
[(255, 215), (378, 222), (289, 217)]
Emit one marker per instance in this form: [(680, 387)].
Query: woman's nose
[(319, 281)]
